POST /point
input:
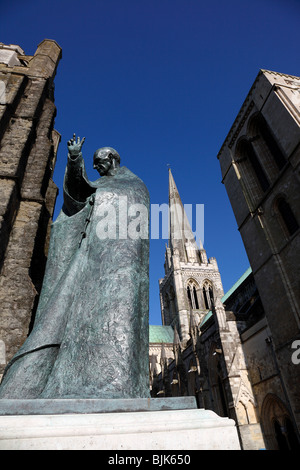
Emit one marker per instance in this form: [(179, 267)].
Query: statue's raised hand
[(74, 147)]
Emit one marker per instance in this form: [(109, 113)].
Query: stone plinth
[(187, 428), (93, 405)]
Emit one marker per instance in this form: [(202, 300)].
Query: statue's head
[(106, 159)]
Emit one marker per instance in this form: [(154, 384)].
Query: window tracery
[(193, 294), (208, 295)]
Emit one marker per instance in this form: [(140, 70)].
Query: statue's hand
[(74, 147)]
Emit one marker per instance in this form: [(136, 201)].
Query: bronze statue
[(90, 335)]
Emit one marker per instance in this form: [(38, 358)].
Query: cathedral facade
[(200, 352), (260, 164), (236, 352), (191, 280)]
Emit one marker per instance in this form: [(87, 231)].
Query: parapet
[(42, 64)]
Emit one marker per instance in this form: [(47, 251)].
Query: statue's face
[(102, 161)]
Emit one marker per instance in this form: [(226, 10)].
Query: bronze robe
[(90, 335)]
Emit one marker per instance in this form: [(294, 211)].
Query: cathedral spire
[(190, 281), (181, 236)]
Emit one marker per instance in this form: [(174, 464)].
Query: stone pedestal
[(187, 428)]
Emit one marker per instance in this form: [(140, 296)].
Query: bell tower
[(192, 282)]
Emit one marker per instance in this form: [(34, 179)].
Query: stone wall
[(28, 148), (260, 161)]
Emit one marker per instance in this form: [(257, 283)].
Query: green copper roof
[(206, 317), (161, 334), (237, 284), (229, 292), (165, 334)]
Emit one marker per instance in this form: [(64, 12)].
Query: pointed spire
[(180, 232)]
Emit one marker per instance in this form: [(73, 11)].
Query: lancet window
[(260, 158), (267, 147), (287, 217), (208, 295), (192, 294), (248, 153)]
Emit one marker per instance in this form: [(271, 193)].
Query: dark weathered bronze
[(90, 336)]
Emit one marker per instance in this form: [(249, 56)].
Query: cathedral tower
[(260, 164), (192, 282)]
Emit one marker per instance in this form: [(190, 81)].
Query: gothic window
[(195, 297), (276, 421), (256, 165), (189, 294), (252, 174), (287, 216), (211, 295), (264, 132), (205, 299), (192, 294), (208, 295)]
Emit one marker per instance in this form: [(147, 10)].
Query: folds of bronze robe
[(90, 335)]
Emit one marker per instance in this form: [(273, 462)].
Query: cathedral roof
[(161, 334), (237, 284), (229, 292)]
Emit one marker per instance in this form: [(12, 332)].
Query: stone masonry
[(28, 148), (260, 162)]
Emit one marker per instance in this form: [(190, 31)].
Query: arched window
[(189, 294), (211, 295), (274, 149), (205, 298), (208, 296), (250, 171), (287, 216), (256, 165), (195, 298), (277, 424), (192, 294)]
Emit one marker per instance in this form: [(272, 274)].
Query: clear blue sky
[(161, 81)]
